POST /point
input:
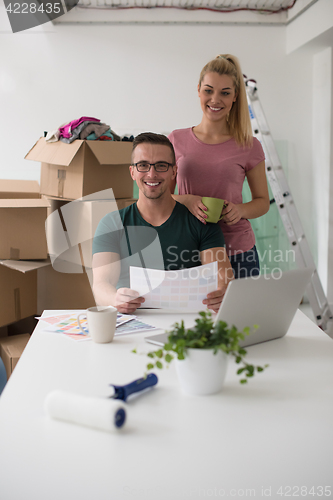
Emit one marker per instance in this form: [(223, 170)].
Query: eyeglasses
[(160, 166)]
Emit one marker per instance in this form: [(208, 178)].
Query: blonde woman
[(214, 157)]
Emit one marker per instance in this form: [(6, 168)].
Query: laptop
[(269, 301)]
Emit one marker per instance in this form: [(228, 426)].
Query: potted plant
[(202, 354)]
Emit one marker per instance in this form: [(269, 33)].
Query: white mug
[(101, 323)]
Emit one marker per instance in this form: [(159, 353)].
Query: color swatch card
[(183, 289), (68, 324), (134, 326)]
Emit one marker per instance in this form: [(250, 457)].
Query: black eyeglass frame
[(152, 165)]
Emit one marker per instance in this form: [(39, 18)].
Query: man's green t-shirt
[(176, 244)]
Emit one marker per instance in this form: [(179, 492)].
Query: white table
[(272, 436)]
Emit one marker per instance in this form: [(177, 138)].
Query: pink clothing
[(218, 171), (66, 130)]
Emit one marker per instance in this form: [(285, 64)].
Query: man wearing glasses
[(129, 237)]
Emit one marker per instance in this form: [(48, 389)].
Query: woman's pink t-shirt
[(218, 171)]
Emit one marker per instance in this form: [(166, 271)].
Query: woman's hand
[(194, 204), (232, 213)]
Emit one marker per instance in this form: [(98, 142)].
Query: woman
[(215, 156)]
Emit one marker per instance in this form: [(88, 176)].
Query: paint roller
[(104, 414)]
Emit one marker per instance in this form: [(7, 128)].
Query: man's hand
[(214, 299), (127, 300)]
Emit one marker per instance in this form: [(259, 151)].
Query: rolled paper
[(99, 413)]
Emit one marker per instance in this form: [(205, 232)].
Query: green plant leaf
[(250, 369), (206, 335)]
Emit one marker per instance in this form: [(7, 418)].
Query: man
[(122, 238)]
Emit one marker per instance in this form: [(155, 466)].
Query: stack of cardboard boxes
[(29, 284)]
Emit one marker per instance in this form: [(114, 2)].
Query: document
[(183, 289)]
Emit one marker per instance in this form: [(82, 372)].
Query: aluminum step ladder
[(287, 209)]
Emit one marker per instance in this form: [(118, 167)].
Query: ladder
[(287, 209)]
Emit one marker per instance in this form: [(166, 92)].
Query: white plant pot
[(202, 372)]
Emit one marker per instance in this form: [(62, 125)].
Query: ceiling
[(183, 11), (268, 6)]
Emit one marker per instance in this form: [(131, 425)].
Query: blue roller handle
[(123, 391)]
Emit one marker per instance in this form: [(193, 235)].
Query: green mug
[(214, 208)]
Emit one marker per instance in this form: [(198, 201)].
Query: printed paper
[(183, 289)]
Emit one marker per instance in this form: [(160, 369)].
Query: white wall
[(312, 34), (321, 133), (311, 24), (144, 77), (133, 77)]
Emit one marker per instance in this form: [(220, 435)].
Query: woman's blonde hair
[(239, 118)]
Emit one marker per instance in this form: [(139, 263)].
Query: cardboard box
[(70, 231), (28, 288), (19, 189), (25, 325), (63, 290), (83, 167), (71, 227), (125, 203), (3, 331), (22, 221), (11, 349), (18, 293), (55, 203)]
